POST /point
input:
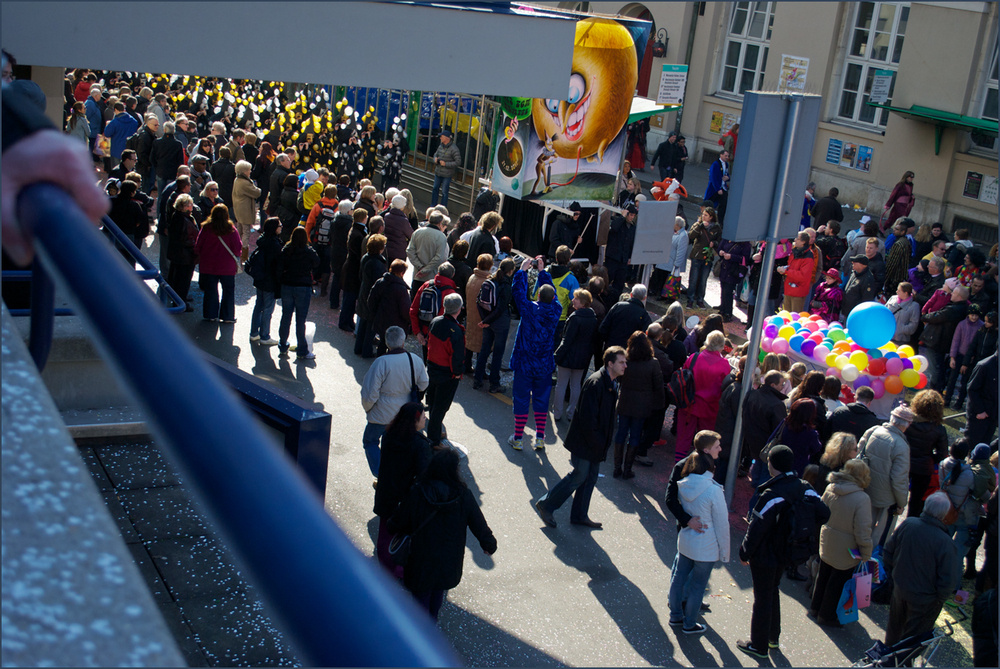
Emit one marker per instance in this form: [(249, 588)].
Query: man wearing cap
[(621, 238), (566, 231), (885, 449), (446, 159), (761, 547), (199, 172), (860, 286)]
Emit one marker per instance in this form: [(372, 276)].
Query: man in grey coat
[(447, 158), (885, 449)]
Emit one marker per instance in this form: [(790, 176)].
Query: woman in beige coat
[(245, 194), (474, 333), (849, 529)]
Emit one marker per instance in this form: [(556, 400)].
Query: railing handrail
[(335, 606)]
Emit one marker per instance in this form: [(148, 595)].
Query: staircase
[(421, 183)]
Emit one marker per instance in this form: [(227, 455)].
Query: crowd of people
[(813, 449)]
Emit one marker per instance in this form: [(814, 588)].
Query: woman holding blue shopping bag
[(845, 541)]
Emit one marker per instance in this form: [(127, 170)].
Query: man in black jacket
[(625, 318), (165, 157), (445, 364), (827, 209), (621, 238), (939, 328), (143, 165), (763, 411), (855, 418), (282, 168), (981, 410), (762, 546), (861, 286), (566, 230), (223, 172), (341, 228), (588, 440)]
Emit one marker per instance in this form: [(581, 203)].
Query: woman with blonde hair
[(410, 209), (841, 447), (245, 194), (218, 248), (845, 541)]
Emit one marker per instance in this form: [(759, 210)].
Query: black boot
[(619, 452), (627, 472)]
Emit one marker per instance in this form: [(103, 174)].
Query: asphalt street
[(565, 595)]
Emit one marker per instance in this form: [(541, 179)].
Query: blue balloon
[(889, 355), (874, 353), (796, 342), (871, 324)]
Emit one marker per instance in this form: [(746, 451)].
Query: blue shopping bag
[(847, 607)]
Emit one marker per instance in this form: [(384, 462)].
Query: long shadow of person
[(623, 600), (481, 559)]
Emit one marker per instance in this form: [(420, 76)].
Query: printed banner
[(565, 150), (793, 73), (672, 82)]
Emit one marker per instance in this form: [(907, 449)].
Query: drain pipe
[(687, 60)]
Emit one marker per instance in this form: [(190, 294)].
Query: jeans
[(962, 537), (765, 619), (726, 301), (346, 320), (688, 579), (263, 308), (294, 299), (953, 381), (440, 395), (495, 339), (162, 183), (574, 378), (629, 427), (148, 181), (698, 280), (212, 308), (371, 439), (440, 184), (580, 481)]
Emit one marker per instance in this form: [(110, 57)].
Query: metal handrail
[(335, 606)]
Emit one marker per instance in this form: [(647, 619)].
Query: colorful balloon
[(837, 335), (871, 324), (922, 383), (767, 344), (831, 360), (841, 362), (833, 371), (909, 378), (907, 363), (893, 385), (874, 353), (893, 366), (876, 367), (919, 363), (862, 380), (796, 342), (889, 346), (771, 330), (786, 331), (795, 317), (859, 359), (811, 326), (820, 352), (849, 373), (905, 351), (808, 348), (890, 355), (878, 387), (780, 346)]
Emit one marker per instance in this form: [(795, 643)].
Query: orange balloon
[(841, 347), (893, 385)]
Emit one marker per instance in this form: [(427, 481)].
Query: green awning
[(644, 108), (944, 119)]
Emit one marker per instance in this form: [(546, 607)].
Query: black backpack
[(324, 224), (135, 141), (487, 298), (681, 385), (429, 306), (798, 535), (300, 201), (254, 265)]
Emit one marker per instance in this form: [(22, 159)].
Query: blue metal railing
[(335, 606)]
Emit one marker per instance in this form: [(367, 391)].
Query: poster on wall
[(715, 127), (672, 82), (864, 160), (988, 193), (793, 73), (848, 155), (973, 184), (833, 150), (881, 84), (570, 150)]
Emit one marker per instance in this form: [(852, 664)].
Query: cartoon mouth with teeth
[(601, 86)]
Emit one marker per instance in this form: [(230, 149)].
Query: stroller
[(908, 651)]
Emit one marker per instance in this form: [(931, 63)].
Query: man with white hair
[(625, 318), (389, 384), (885, 449), (920, 556), (445, 364), (427, 248)]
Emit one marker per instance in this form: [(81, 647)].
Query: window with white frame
[(875, 42), (989, 110), (746, 47)]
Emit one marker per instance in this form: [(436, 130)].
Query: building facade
[(941, 56)]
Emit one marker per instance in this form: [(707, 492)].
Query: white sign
[(881, 83), (672, 82), (653, 233), (988, 192), (793, 73)]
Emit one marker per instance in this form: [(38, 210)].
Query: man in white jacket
[(428, 248), (387, 387)]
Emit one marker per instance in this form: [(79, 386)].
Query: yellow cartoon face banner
[(571, 149)]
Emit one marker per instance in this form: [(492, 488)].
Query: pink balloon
[(893, 366), (780, 346), (833, 371), (811, 326), (855, 347), (795, 316), (822, 324), (767, 343), (878, 388), (820, 353)]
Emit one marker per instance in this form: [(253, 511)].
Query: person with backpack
[(445, 363), (574, 353), (885, 449), (319, 228), (532, 359), (474, 286), (263, 269), (493, 305), (958, 481), (427, 248), (782, 533), (429, 302), (389, 304), (845, 541)]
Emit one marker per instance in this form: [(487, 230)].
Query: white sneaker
[(514, 443), (268, 342), (254, 338)]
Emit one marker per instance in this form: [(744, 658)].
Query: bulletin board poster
[(568, 150), (793, 73), (864, 159), (848, 155), (973, 184), (715, 127), (833, 151), (988, 193)]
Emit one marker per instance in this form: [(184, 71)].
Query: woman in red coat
[(798, 274), (900, 201), (710, 368)]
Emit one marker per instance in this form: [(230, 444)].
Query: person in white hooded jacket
[(698, 551)]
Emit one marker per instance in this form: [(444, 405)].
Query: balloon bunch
[(860, 355)]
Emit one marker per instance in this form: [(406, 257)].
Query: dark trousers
[(346, 321), (651, 429), (829, 586), (335, 290), (414, 287), (918, 486), (953, 382), (440, 395), (908, 618), (726, 300), (364, 343), (980, 431), (656, 281), (617, 274), (212, 307), (179, 278), (496, 340), (765, 620)]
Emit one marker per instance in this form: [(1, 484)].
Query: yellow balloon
[(905, 351), (889, 347), (841, 361), (909, 377), (786, 331), (859, 359), (831, 359)]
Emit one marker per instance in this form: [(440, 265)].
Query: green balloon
[(837, 335), (519, 108)]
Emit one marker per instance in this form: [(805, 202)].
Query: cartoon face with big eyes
[(601, 87)]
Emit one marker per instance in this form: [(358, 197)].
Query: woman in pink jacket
[(709, 368), (218, 247)]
